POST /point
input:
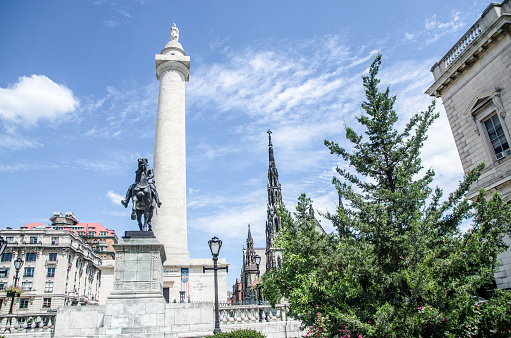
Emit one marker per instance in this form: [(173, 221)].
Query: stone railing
[(24, 323), (462, 45), (243, 314)]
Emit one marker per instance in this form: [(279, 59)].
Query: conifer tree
[(398, 264)]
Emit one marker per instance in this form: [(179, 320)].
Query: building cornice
[(479, 38)]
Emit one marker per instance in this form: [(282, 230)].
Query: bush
[(238, 334)]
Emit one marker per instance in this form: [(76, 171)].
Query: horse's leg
[(139, 219), (149, 225), (134, 200)]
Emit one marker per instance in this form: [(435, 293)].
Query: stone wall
[(137, 319)]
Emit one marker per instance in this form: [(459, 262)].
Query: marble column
[(169, 224)]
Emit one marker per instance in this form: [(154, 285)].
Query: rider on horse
[(142, 167)]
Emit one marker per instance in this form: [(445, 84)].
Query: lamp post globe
[(214, 245), (18, 263), (257, 260)]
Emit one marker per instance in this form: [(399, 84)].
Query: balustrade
[(17, 323), (462, 45), (243, 314)]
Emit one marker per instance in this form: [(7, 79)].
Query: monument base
[(138, 271)]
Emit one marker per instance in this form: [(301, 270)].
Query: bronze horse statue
[(143, 195)]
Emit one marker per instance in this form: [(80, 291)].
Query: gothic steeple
[(273, 221), (250, 241)]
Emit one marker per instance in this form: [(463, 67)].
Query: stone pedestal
[(136, 305), (138, 267)]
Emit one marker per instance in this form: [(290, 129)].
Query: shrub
[(238, 334)]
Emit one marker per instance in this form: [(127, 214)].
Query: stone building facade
[(100, 239), (474, 81), (59, 269)]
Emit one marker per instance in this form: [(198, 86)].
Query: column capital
[(178, 63)]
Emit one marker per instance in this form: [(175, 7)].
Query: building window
[(53, 256), (26, 286), (487, 111), (4, 272), (30, 256), (9, 239), (7, 257), (497, 137), (33, 240), (24, 303), (51, 272), (54, 241), (29, 272), (91, 233), (80, 233), (102, 233), (47, 302), (48, 287), (2, 285)]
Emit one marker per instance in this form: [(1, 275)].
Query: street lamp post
[(18, 263), (214, 245), (257, 259)]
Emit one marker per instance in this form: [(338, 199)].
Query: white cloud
[(303, 101), (115, 198), (409, 36), (436, 29), (17, 142), (36, 98)]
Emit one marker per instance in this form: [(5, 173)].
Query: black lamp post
[(18, 263), (257, 259), (214, 245)]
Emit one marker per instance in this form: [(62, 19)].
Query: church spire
[(250, 241), (273, 221)]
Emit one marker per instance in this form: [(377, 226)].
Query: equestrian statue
[(143, 195)]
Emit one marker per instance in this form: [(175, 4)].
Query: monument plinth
[(138, 267)]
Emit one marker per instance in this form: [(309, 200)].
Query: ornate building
[(473, 81), (273, 221), (58, 269), (99, 238)]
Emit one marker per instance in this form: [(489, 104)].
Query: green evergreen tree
[(398, 265)]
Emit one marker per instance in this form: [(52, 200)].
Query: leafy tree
[(398, 264)]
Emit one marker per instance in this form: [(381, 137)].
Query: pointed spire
[(270, 149), (273, 221), (249, 237)]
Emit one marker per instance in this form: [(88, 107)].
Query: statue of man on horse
[(143, 195)]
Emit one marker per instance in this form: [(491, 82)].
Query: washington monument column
[(169, 224)]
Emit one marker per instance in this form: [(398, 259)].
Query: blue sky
[(78, 98)]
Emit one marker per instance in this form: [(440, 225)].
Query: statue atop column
[(143, 195), (174, 33)]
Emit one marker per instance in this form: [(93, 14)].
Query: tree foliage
[(398, 264)]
